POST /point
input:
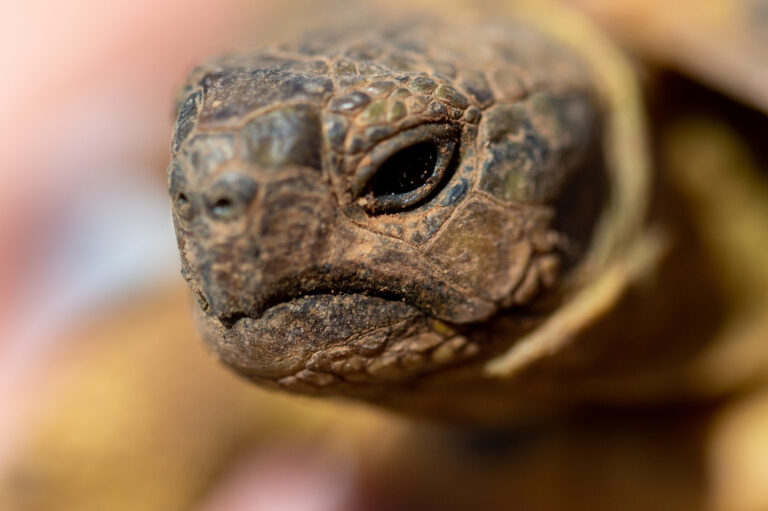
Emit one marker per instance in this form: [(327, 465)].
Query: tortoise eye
[(406, 170)]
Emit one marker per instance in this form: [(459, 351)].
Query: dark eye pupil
[(406, 170)]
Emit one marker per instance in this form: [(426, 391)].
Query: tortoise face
[(345, 208)]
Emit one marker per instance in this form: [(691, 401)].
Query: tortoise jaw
[(283, 339), (370, 317), (305, 288), (348, 344), (232, 295)]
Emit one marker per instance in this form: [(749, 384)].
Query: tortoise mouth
[(285, 336), (288, 295), (434, 297)]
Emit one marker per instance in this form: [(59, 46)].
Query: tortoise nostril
[(227, 208), (183, 206), (222, 207), (229, 197)]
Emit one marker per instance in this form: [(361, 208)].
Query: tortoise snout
[(260, 234)]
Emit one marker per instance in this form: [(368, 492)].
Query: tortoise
[(459, 215)]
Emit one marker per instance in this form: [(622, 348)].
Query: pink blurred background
[(86, 100)]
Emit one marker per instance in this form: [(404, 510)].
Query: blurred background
[(86, 94), (108, 400)]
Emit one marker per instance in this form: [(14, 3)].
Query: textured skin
[(311, 280)]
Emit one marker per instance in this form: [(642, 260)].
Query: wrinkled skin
[(354, 212)]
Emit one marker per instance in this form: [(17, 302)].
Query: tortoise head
[(350, 209)]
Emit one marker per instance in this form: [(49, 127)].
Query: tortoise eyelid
[(417, 142)]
